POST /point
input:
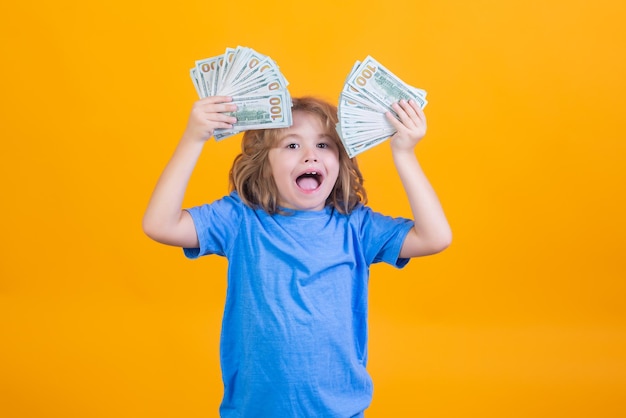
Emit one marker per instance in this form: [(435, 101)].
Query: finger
[(401, 109), (224, 118), (421, 117), (223, 125), (415, 112), (215, 104), (395, 122), (221, 108), (217, 107), (411, 108), (417, 109)]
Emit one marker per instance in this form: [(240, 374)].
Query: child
[(299, 242)]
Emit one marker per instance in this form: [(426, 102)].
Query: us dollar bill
[(254, 81), (372, 80), (266, 111), (368, 93)]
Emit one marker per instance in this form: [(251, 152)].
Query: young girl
[(299, 242)]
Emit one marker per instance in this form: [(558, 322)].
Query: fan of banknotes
[(253, 80), (369, 91)]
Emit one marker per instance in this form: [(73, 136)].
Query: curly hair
[(251, 174)]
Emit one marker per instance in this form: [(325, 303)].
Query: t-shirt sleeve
[(383, 237), (216, 226)]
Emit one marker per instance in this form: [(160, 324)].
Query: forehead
[(306, 120), (305, 124)]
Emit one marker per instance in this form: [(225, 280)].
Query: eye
[(327, 146), (293, 146)]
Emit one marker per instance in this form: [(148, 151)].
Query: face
[(305, 164)]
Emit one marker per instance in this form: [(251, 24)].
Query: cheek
[(278, 174), (337, 163), (336, 173), (272, 165)]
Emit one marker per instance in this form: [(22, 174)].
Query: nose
[(310, 155)]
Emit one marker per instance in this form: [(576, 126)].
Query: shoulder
[(362, 213), (232, 200), (229, 207), (369, 220)]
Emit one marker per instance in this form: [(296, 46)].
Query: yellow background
[(523, 316)]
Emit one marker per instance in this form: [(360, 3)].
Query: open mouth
[(310, 180)]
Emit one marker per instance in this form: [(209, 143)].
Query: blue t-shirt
[(294, 331)]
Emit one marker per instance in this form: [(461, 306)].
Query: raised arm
[(164, 220), (431, 233)]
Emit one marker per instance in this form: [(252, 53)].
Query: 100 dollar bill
[(372, 80), (264, 111)]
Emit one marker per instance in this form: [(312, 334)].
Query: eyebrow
[(297, 136)]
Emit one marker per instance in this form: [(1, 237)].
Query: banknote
[(372, 80), (256, 84), (368, 92), (264, 111)]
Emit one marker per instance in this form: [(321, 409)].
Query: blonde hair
[(251, 174)]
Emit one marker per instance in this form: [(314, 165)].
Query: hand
[(207, 115), (411, 127)]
